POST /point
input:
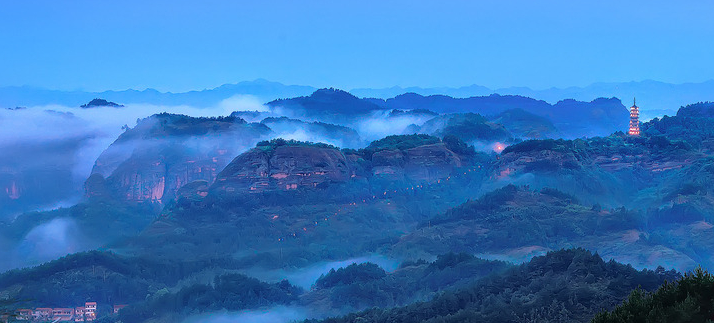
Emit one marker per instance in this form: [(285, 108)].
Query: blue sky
[(187, 45)]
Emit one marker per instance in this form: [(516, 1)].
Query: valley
[(185, 216), (356, 161)]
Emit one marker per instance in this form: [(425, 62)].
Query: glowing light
[(499, 147), (634, 129)]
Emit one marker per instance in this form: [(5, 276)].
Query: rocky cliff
[(291, 165), (165, 152), (285, 167), (610, 154), (615, 170), (422, 164)]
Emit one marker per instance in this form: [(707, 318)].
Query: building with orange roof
[(61, 314)]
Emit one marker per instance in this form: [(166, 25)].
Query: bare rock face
[(158, 175), (96, 186), (388, 164), (618, 162), (195, 190), (152, 161), (305, 166), (422, 164), (608, 157), (284, 168), (535, 161)]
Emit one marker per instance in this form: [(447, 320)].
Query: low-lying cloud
[(381, 124), (242, 103), (276, 314), (46, 241), (305, 277), (59, 145)]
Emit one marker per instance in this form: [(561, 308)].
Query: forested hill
[(689, 299), (562, 286), (328, 101)]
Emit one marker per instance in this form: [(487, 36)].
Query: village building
[(90, 311), (24, 314), (42, 313), (79, 314), (62, 314)]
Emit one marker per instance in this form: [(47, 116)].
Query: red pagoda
[(634, 120)]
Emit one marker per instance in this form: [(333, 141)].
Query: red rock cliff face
[(617, 162), (513, 163), (541, 160), (12, 190), (156, 176), (295, 167), (423, 164), (152, 161), (284, 168)]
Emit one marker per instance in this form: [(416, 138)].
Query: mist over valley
[(330, 162)]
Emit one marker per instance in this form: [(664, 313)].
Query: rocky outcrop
[(618, 162), (512, 163), (422, 164), (304, 166), (284, 168), (195, 190), (152, 161), (153, 166), (611, 155)]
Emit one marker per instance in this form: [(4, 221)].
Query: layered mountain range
[(660, 98), (571, 118), (172, 150), (495, 177)]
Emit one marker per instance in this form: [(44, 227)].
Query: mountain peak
[(332, 92), (328, 100), (95, 103), (701, 109)]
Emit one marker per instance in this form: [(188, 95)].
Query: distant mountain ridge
[(656, 98), (264, 90), (573, 119)]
